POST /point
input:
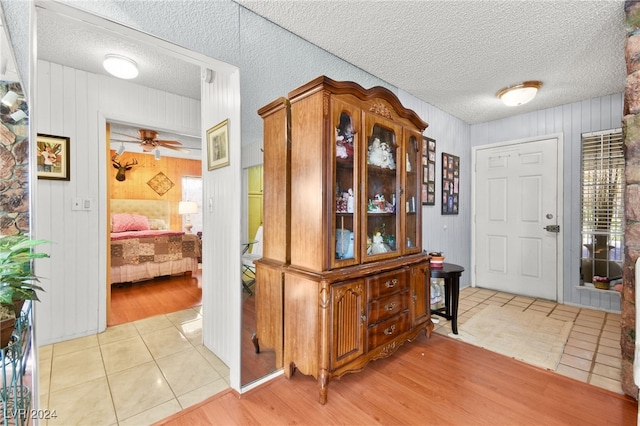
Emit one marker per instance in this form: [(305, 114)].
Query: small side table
[(451, 274)]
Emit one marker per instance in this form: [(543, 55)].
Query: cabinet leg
[(323, 385), (256, 344), (288, 372)]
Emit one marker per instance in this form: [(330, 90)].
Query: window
[(602, 205)]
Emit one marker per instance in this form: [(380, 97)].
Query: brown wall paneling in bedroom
[(136, 184)]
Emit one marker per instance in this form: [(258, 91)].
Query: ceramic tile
[(583, 336), (589, 323), (606, 383), (611, 335), (612, 361), (593, 313), (614, 352), (202, 393), (75, 368), (153, 415), (138, 389), (166, 342), (192, 330), (75, 345), (612, 343), (152, 324), (215, 362), (83, 404), (607, 371), (183, 380), (123, 354), (575, 362), (586, 330), (579, 352), (118, 332), (590, 346), (181, 317), (574, 373), (568, 308)]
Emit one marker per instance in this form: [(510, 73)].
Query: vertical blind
[(602, 184)]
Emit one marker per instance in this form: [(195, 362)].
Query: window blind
[(602, 183)]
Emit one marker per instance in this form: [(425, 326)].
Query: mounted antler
[(122, 169)]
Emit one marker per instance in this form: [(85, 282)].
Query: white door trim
[(559, 202)]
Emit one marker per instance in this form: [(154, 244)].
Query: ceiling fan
[(149, 141)]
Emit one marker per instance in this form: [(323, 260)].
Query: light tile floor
[(592, 353), (132, 374)]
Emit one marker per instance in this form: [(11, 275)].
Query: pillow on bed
[(121, 222), (158, 224)]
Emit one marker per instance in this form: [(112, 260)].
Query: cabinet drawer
[(386, 307), (385, 331), (382, 285)]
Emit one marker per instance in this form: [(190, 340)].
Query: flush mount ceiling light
[(519, 94), (120, 66)]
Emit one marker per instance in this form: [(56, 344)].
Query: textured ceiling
[(454, 55)]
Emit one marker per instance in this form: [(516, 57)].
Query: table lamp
[(188, 208)]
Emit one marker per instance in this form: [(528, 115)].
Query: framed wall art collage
[(450, 183), (428, 171)]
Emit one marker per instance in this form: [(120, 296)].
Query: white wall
[(571, 120), (75, 104), (449, 234)]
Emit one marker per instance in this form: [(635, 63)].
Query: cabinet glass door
[(346, 123), (412, 185), (381, 192)]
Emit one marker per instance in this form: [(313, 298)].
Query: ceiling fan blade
[(175, 148), (120, 140), (129, 136), (168, 142)]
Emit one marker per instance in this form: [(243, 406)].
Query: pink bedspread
[(137, 247)]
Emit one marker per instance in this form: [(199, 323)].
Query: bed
[(142, 246)]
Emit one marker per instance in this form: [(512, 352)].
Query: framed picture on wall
[(428, 171), (450, 183), (53, 157), (218, 145)]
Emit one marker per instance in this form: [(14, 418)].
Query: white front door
[(516, 210)]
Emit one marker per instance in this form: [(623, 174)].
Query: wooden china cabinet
[(352, 282)]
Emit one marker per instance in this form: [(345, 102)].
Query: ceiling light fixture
[(157, 153), (121, 149), (519, 94), (120, 66)]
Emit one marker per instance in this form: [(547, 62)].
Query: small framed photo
[(53, 157), (428, 171), (218, 145)]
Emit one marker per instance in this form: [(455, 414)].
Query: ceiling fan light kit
[(120, 66), (149, 142), (519, 94)]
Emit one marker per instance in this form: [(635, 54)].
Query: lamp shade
[(187, 207), (519, 94)]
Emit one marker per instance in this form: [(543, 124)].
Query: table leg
[(455, 294)]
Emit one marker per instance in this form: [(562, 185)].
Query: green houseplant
[(17, 281)]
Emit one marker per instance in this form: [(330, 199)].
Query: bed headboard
[(152, 209)]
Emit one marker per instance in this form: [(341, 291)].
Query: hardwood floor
[(135, 301), (430, 381)]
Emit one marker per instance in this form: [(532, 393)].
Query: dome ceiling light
[(519, 94), (120, 66)]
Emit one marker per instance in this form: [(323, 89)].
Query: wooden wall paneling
[(135, 185)]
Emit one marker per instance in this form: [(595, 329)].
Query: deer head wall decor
[(120, 176)]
